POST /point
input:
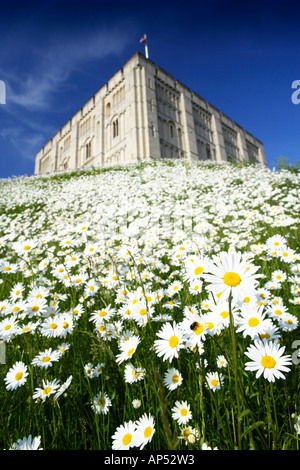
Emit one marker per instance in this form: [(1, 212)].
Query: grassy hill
[(151, 306)]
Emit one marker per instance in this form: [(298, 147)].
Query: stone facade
[(143, 113)]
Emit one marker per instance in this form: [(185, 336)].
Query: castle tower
[(141, 113)]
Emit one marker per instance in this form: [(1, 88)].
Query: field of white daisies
[(150, 307)]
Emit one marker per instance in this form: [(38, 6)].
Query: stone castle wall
[(142, 112)]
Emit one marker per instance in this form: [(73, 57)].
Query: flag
[(143, 39)]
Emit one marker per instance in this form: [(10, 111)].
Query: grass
[(178, 203)]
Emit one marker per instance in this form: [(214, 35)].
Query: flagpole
[(144, 40), (146, 47)]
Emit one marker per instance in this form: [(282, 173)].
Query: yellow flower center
[(130, 352), (35, 308), (198, 329), (253, 321), (224, 314), (198, 270), (214, 382), (102, 313), (183, 412), (148, 431), (27, 247), (247, 300), (7, 327), (143, 311), (53, 326), (18, 375), (173, 341), (268, 362), (126, 439), (264, 335), (175, 379), (46, 359), (47, 390), (231, 279)]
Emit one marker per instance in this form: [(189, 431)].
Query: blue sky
[(240, 56)]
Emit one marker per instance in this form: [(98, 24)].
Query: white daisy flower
[(214, 380), (101, 403), (16, 376), (267, 359), (170, 343), (27, 443), (123, 438), (46, 358), (230, 273), (181, 412), (172, 379), (48, 388), (145, 429)]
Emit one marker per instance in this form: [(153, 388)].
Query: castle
[(143, 113)]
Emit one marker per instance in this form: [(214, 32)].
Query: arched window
[(180, 142), (172, 130), (115, 128), (88, 150), (107, 112), (65, 163), (208, 153)]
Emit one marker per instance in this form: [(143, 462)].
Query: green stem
[(274, 407), (214, 398), (270, 419), (235, 370), (202, 404)]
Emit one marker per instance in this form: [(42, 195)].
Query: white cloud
[(22, 140), (50, 66), (38, 69)]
